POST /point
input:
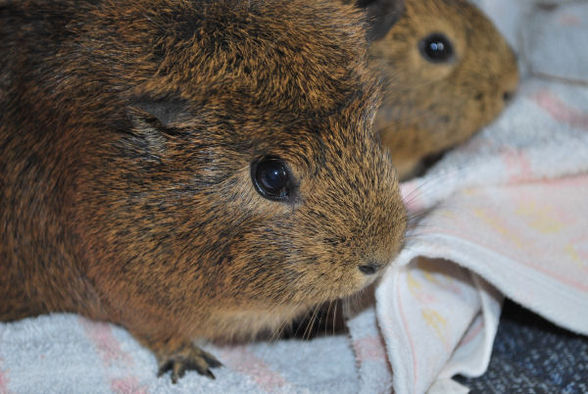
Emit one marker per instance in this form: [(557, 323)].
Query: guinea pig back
[(188, 169)]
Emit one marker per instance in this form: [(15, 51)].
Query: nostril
[(507, 96), (368, 269)]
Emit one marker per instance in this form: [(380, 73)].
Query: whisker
[(415, 217), (327, 316), (310, 324), (299, 324), (426, 186), (277, 334), (335, 315)]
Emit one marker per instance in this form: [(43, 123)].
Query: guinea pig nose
[(507, 96), (369, 269)]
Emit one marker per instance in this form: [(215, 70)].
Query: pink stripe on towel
[(3, 372), (402, 315), (127, 385), (370, 348), (472, 332), (518, 166), (241, 359), (560, 111), (107, 346), (3, 381)]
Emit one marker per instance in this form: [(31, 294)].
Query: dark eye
[(272, 179), (436, 48)]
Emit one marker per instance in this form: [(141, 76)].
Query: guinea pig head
[(448, 73), (245, 175)]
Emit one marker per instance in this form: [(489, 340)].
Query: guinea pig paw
[(188, 357)]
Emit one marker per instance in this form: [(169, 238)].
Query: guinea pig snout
[(508, 95), (510, 79), (370, 268), (510, 87)]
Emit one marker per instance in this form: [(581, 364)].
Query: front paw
[(187, 357)]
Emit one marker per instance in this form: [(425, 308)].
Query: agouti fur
[(128, 130)]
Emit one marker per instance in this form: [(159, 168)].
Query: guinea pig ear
[(382, 15), (165, 111), (152, 122)]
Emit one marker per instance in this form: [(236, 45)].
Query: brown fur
[(127, 131), (430, 107)]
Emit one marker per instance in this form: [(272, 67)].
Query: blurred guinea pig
[(447, 73)]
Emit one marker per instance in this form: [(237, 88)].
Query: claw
[(163, 367), (209, 374), (178, 371), (187, 357), (211, 360)]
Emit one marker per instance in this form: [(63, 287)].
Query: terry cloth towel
[(505, 214)]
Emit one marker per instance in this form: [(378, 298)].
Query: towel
[(502, 215), (64, 353)]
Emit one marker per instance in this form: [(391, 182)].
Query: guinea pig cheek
[(320, 284), (324, 273)]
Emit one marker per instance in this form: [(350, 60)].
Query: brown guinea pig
[(448, 72), (189, 169)]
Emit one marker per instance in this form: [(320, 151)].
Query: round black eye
[(436, 48), (272, 179)]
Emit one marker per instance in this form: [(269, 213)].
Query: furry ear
[(153, 122), (382, 15), (166, 110)]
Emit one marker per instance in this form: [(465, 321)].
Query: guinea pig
[(189, 170), (447, 73)]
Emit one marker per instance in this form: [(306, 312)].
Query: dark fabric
[(532, 355)]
